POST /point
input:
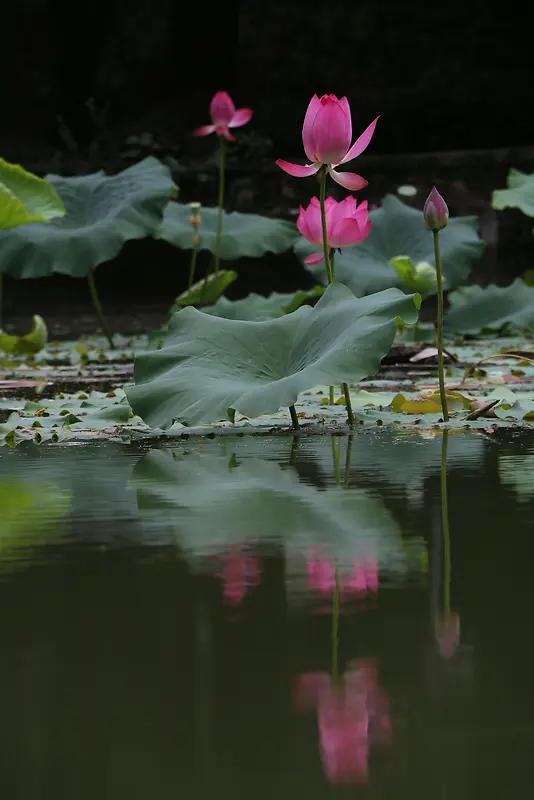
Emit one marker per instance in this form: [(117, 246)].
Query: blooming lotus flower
[(359, 580), (352, 714), (435, 211), (224, 115), (346, 224), (326, 136)]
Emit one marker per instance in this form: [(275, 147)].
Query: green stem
[(98, 308), (335, 630), (220, 204), (347, 461), (445, 528), (192, 267), (294, 418), (350, 413), (326, 247), (439, 335), (1, 299)]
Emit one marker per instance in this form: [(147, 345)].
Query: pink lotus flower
[(224, 115), (239, 571), (352, 714), (359, 580), (346, 224), (435, 211), (326, 136)]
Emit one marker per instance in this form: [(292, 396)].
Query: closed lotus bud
[(435, 211)]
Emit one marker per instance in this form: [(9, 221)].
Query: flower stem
[(350, 413), (445, 528), (1, 299), (98, 308), (326, 247), (220, 204), (192, 267), (294, 418), (439, 335)]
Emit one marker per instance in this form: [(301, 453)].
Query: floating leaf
[(519, 194), (25, 198), (30, 343), (207, 290), (398, 228), (208, 364), (242, 234), (257, 308), (474, 307), (103, 212)]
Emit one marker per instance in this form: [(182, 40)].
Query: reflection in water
[(186, 658), (352, 714), (30, 516), (352, 710), (238, 570), (356, 580), (446, 621)]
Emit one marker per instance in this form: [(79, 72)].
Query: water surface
[(168, 624)]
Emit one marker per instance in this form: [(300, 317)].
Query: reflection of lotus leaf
[(209, 506), (29, 517)]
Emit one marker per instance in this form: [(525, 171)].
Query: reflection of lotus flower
[(448, 634), (352, 715), (358, 580), (239, 571)]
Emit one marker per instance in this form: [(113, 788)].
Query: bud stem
[(439, 333)]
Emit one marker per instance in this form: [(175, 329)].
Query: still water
[(267, 618)]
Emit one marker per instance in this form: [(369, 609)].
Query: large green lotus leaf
[(208, 506), (519, 194), (25, 198), (474, 307), (399, 230), (103, 212), (257, 308), (243, 235), (209, 364)]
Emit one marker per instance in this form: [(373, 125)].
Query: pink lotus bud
[(346, 224), (326, 136), (224, 116), (435, 211)]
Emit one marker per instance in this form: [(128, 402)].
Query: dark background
[(443, 75), (80, 78)]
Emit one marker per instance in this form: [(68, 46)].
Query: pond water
[(267, 617)]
